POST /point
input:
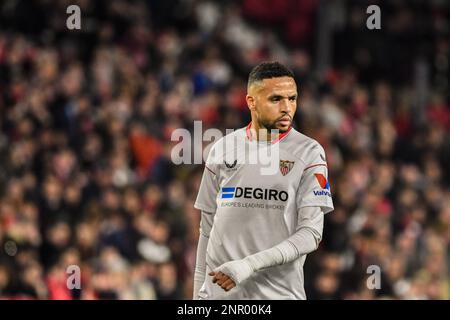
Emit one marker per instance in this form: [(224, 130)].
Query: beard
[(271, 125)]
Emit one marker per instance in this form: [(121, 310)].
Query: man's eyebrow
[(275, 95)]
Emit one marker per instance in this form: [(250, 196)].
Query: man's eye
[(293, 98), (276, 99)]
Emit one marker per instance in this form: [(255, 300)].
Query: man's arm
[(206, 222), (206, 203), (305, 240)]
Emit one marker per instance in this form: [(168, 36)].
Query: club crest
[(286, 166)]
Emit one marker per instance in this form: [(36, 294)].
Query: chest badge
[(286, 166)]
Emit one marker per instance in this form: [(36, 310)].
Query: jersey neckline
[(279, 138)]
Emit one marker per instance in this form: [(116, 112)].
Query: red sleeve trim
[(315, 165)]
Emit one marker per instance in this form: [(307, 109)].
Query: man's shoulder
[(302, 146)]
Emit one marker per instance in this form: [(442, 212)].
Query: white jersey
[(254, 212)]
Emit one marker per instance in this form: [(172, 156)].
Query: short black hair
[(267, 70)]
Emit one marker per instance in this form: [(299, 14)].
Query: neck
[(261, 133)]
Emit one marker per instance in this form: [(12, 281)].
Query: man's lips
[(285, 121)]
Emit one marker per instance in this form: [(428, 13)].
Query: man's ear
[(250, 102)]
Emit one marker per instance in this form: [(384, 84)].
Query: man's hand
[(231, 273), (222, 280)]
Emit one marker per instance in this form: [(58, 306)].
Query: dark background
[(86, 117)]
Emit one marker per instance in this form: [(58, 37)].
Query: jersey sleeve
[(314, 190), (209, 186)]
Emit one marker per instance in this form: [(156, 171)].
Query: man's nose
[(285, 105)]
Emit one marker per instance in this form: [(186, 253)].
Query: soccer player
[(257, 229)]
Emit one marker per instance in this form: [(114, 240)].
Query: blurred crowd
[(86, 117)]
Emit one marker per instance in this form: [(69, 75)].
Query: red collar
[(280, 136)]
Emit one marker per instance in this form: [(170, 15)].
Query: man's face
[(273, 102)]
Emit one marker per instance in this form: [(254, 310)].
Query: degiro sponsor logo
[(254, 193)]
